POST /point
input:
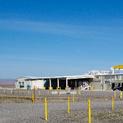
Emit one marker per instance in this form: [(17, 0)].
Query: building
[(108, 80), (56, 82), (25, 83), (94, 80)]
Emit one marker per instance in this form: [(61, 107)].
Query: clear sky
[(53, 37)]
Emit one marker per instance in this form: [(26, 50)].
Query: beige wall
[(96, 86)]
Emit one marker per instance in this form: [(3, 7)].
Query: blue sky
[(44, 37)]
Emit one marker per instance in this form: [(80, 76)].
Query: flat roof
[(59, 77)]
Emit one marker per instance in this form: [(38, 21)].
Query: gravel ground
[(33, 113)]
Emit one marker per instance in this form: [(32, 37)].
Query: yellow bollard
[(89, 111), (33, 95), (46, 109), (68, 105), (113, 103), (121, 95), (33, 99), (115, 94)]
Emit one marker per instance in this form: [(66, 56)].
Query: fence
[(40, 106)]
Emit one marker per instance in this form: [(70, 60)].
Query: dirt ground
[(34, 113)]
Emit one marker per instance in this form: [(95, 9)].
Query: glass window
[(22, 85)]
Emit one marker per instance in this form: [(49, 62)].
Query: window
[(22, 85)]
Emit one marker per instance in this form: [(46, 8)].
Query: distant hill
[(7, 82)]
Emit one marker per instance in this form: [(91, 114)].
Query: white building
[(55, 82), (96, 80), (24, 83)]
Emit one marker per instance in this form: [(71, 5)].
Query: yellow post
[(89, 111), (33, 95), (33, 100), (115, 94), (68, 105), (45, 108), (121, 95), (113, 103)]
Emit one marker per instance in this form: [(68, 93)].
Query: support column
[(102, 83), (115, 77), (50, 84), (57, 83), (75, 84), (66, 83)]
